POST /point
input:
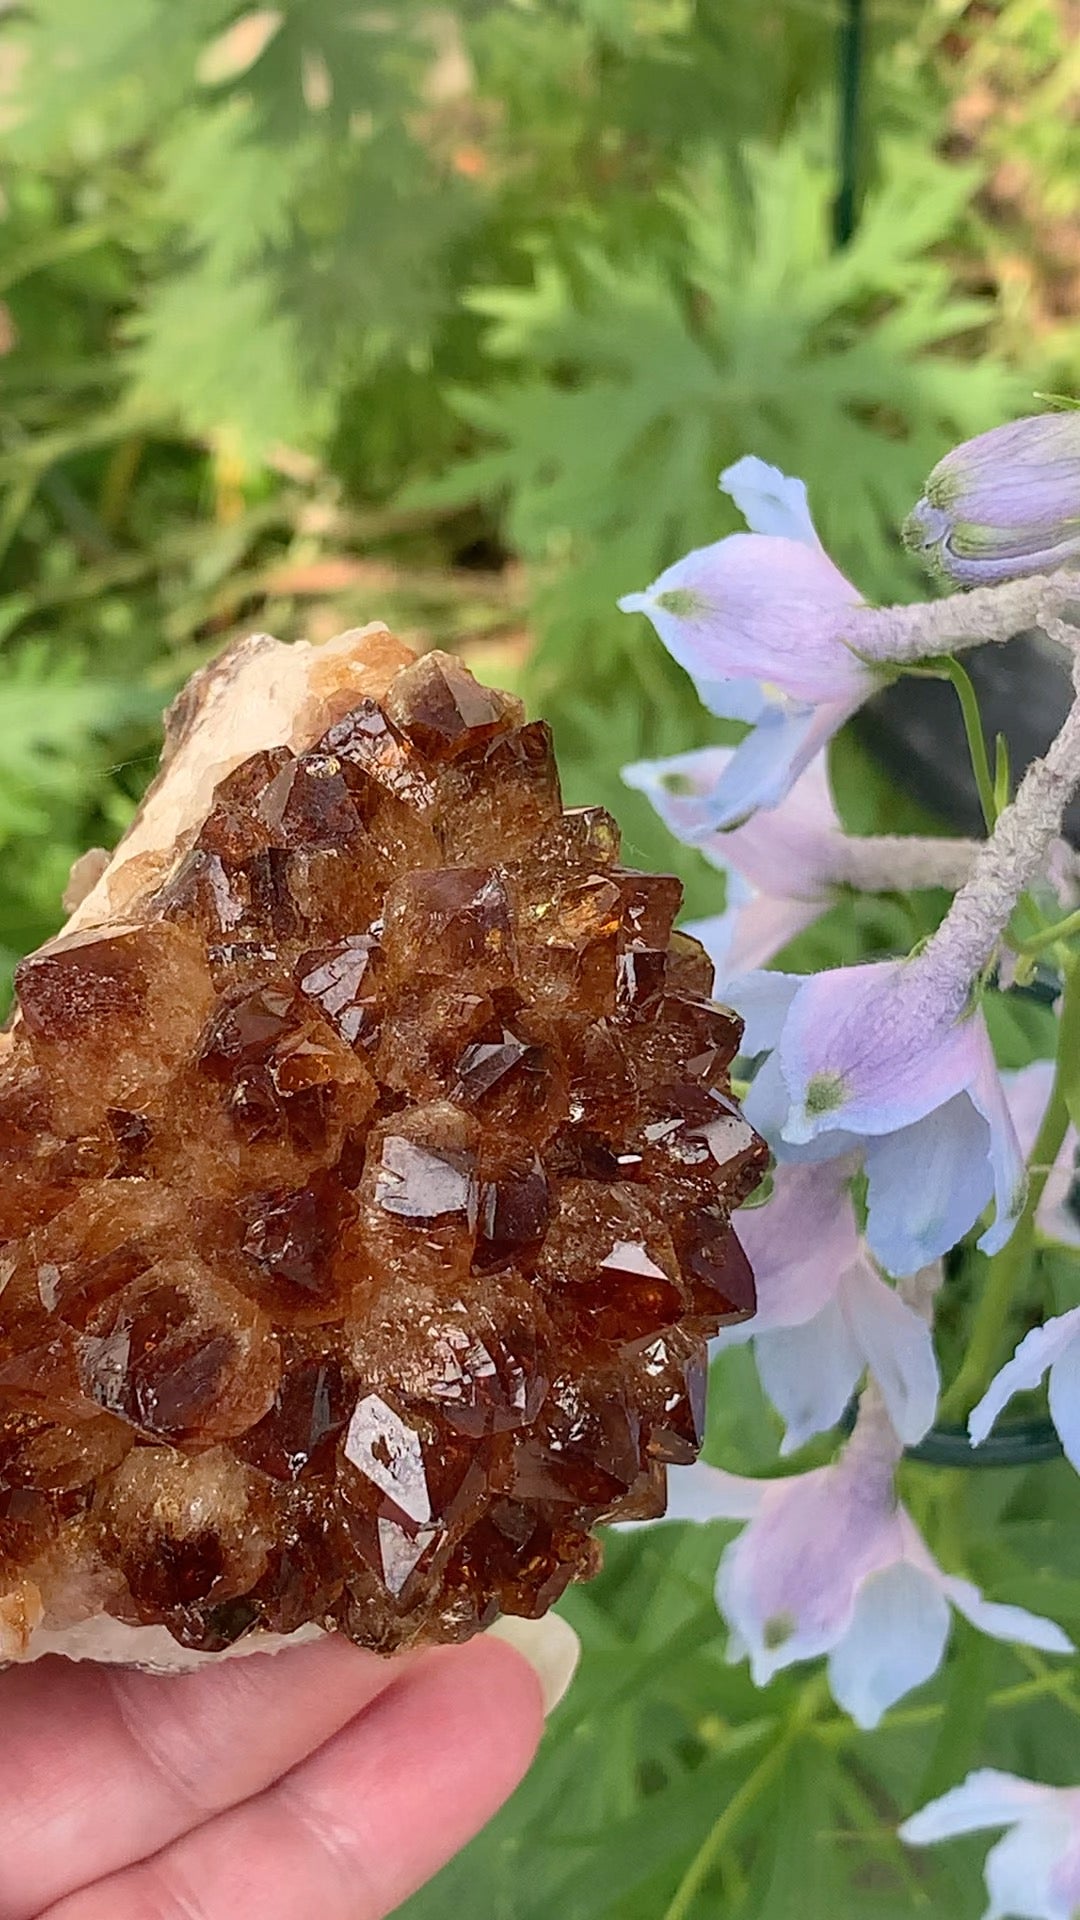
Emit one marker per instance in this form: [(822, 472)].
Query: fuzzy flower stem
[(897, 863), (905, 635), (1006, 863), (875, 1446)]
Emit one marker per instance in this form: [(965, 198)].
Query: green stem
[(722, 1830), (1061, 930), (1006, 1268), (976, 739)]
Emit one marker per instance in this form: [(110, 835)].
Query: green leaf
[(795, 1864), (51, 713), (185, 363)]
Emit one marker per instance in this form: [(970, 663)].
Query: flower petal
[(793, 848), (800, 1242), (1039, 1349), (1065, 1400), (679, 788), (1027, 1093), (749, 930), (809, 1372), (753, 928), (895, 1641), (770, 501), (707, 1493), (744, 700), (874, 1048), (1006, 1160), (767, 1105), (898, 1348), (763, 928), (729, 699), (763, 999), (1055, 1215), (854, 1050), (1064, 1881), (765, 766), (788, 1583), (1005, 1623), (1019, 1870), (758, 607), (987, 1798), (926, 1185), (792, 851)]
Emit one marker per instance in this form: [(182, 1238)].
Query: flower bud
[(1003, 505)]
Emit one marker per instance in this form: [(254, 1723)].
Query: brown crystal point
[(296, 1437), (714, 1266), (180, 1355), (444, 711), (670, 1371), (701, 1036), (342, 981), (186, 1532), (497, 798), (454, 923), (368, 1154), (87, 1003), (689, 968)]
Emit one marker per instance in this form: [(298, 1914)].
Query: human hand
[(322, 1780)]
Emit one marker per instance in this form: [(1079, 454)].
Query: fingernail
[(551, 1648)]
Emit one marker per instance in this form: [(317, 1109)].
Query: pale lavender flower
[(824, 1314), (1003, 505), (830, 1564), (867, 1058), (777, 866), (1034, 1872), (1028, 1094), (888, 1058), (764, 624), (1054, 1346), (785, 867), (894, 1057)]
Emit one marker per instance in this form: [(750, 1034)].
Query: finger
[(100, 1767), (365, 1821)]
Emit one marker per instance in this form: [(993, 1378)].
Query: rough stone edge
[(114, 1643), (259, 693)]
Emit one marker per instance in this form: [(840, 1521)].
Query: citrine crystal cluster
[(367, 1158)]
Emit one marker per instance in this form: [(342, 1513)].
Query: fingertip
[(501, 1697), (550, 1646)]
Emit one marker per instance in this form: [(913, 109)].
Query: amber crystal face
[(366, 1199)]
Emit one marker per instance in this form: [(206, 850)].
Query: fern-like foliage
[(630, 379), (66, 733), (299, 222), (633, 381), (53, 715)]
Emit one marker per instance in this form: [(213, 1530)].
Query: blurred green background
[(450, 315)]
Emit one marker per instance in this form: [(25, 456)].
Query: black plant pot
[(1018, 1443), (1014, 1443), (915, 730)]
